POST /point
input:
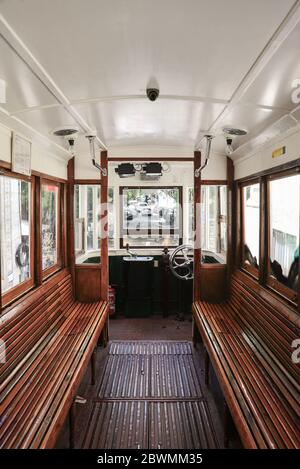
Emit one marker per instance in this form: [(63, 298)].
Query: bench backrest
[(271, 325), (32, 321)]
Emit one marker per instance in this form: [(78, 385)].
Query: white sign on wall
[(21, 155)]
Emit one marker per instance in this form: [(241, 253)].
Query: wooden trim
[(104, 229), (48, 177), (197, 228), (6, 165), (63, 204), (271, 171), (85, 266), (87, 182), (214, 182), (70, 220), (147, 159), (230, 219)]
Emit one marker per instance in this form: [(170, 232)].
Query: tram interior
[(149, 224)]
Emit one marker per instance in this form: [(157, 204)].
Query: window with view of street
[(151, 217), (284, 196), (50, 213), (87, 222), (15, 213), (250, 222)]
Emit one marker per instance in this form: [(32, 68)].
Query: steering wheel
[(181, 262)]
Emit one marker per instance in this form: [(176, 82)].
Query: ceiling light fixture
[(229, 147), (65, 131), (235, 131)]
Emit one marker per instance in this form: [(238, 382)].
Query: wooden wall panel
[(197, 227), (88, 283), (104, 229), (70, 219), (213, 283), (230, 219)]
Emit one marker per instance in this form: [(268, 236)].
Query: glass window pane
[(251, 204), (191, 216), (15, 231), (151, 216), (111, 219), (87, 211), (284, 230), (214, 220), (49, 225)]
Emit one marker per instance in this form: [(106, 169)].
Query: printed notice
[(21, 155)]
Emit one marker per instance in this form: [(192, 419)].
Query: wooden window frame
[(221, 218), (59, 229), (254, 272), (15, 292), (148, 231), (264, 278), (270, 280), (87, 182)]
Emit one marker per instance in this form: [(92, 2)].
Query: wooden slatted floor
[(150, 397)]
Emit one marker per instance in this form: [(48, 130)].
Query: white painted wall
[(262, 159), (43, 160)]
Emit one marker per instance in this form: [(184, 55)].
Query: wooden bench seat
[(49, 340), (249, 342)]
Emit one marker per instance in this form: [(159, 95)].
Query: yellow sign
[(279, 152)]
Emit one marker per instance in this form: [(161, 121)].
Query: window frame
[(15, 292), (271, 281), (59, 229), (250, 269), (148, 231), (264, 278), (87, 182)]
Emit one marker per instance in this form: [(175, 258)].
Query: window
[(50, 225), (250, 227), (151, 217), (16, 236), (214, 222), (111, 219), (190, 215), (87, 223), (284, 196)]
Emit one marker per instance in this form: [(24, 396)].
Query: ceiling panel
[(273, 87), (249, 118), (102, 48), (46, 120), (137, 122), (24, 89)]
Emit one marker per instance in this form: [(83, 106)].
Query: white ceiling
[(88, 63)]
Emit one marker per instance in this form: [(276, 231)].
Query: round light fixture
[(234, 131), (65, 131)]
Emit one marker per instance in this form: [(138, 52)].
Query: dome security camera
[(152, 93)]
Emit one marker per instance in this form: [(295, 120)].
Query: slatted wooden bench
[(248, 340), (49, 340)]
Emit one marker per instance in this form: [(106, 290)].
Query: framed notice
[(21, 155)]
